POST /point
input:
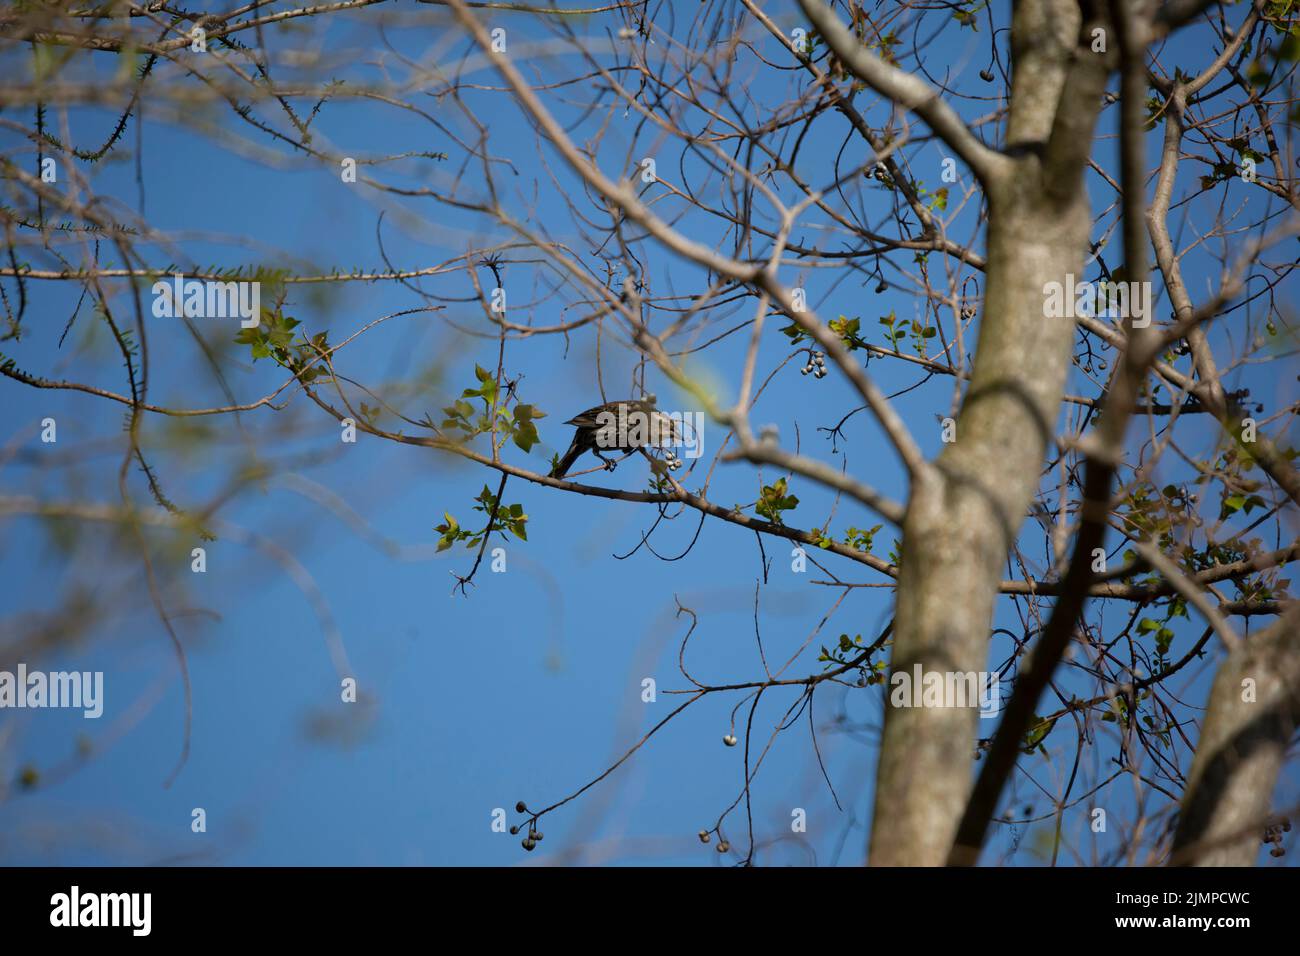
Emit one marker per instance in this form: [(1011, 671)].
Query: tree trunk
[(1243, 742), (964, 512)]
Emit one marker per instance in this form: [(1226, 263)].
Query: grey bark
[(1243, 742), (964, 513)]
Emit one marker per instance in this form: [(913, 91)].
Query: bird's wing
[(590, 418), (585, 419)]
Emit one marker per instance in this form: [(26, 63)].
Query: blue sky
[(531, 685)]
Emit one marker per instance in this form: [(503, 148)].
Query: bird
[(623, 426)]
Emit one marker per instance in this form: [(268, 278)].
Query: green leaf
[(1290, 49), (848, 331), (1035, 737), (525, 436), (794, 332), (860, 540), (773, 501)]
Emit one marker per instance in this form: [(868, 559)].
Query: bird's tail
[(562, 467)]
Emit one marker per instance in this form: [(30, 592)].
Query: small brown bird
[(617, 427)]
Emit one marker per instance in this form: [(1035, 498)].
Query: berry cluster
[(672, 461), (534, 837), (1273, 835), (816, 365), (723, 845)]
